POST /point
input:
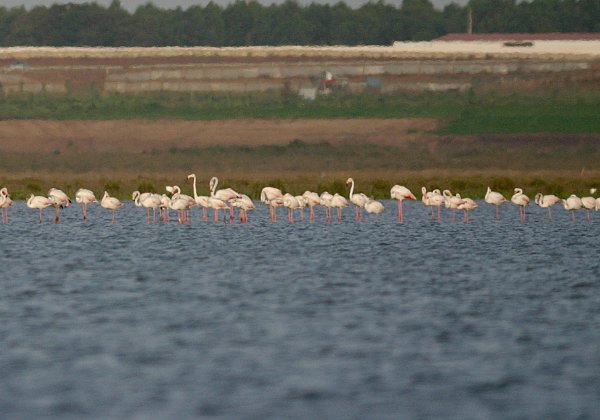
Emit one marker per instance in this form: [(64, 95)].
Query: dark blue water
[(373, 320)]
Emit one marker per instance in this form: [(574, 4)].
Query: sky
[(132, 4)]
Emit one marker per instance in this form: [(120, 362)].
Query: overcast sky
[(132, 4)]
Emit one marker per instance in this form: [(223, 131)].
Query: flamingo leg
[(114, 216), (497, 212), (339, 213), (401, 211), (40, 215)]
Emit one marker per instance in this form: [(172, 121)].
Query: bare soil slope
[(136, 136)]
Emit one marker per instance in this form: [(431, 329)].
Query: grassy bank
[(468, 166), (560, 111), (473, 185)]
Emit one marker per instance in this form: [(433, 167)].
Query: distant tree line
[(250, 23)]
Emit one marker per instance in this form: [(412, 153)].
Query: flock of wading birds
[(228, 199)]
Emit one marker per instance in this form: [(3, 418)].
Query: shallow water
[(373, 320)]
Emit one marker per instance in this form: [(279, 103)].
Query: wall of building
[(119, 72)]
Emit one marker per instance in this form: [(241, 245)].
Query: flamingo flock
[(228, 200)]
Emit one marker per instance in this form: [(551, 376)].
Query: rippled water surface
[(372, 320)]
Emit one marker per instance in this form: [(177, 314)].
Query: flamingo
[(245, 204), (359, 200), (176, 194), (181, 205), (589, 203), (467, 205), (303, 203), (165, 202), (374, 207), (339, 202), (271, 196), (201, 200), (216, 204), (312, 199), (85, 197), (223, 195), (401, 193), (39, 202), (425, 199), (495, 198), (433, 199), (291, 203), (452, 202), (59, 200), (149, 201), (5, 203), (326, 198), (572, 203), (520, 200), (110, 203), (547, 201)]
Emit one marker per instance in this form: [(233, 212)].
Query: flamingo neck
[(195, 191)]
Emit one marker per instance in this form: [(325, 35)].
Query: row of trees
[(241, 23)]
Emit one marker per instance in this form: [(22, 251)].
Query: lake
[(491, 319)]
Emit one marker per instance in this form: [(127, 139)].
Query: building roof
[(543, 36)]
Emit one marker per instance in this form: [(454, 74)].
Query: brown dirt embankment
[(136, 136)]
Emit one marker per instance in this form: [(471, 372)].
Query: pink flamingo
[(467, 205), (224, 194), (339, 202), (546, 201), (359, 200), (5, 203), (111, 203), (291, 203), (59, 200), (495, 198), (452, 202), (216, 204), (573, 203), (374, 207), (201, 200), (520, 200), (85, 197), (39, 202), (588, 203), (312, 199), (401, 193), (245, 204), (272, 197)]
